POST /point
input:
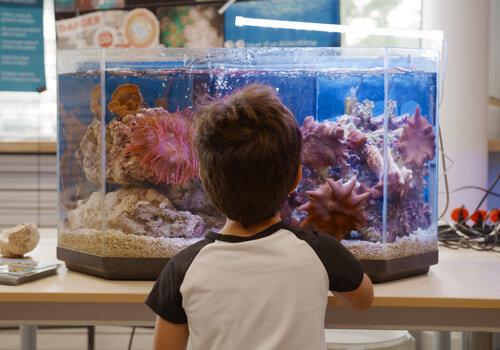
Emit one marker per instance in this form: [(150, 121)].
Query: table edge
[(139, 298)]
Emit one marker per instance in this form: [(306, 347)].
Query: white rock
[(19, 240)]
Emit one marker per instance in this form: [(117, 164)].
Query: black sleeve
[(345, 273), (165, 299)]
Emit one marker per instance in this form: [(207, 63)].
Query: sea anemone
[(336, 208), (163, 142), (418, 141)]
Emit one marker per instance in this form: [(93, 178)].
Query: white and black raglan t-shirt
[(264, 292)]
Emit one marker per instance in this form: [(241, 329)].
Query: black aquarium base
[(149, 268), (381, 271), (146, 269)]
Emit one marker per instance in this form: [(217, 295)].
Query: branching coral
[(398, 178), (336, 208), (418, 141), (126, 99), (324, 144), (163, 142)]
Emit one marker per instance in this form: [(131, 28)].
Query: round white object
[(345, 339)]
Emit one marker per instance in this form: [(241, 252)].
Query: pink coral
[(336, 208), (418, 141), (163, 142), (324, 144)]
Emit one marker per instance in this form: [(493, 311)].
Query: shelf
[(28, 147), (494, 101), (494, 145)]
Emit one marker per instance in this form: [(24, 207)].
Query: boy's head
[(249, 147)]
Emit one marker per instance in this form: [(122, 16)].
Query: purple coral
[(336, 208), (324, 144), (418, 141), (356, 140)]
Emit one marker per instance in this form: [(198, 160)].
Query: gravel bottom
[(420, 241), (115, 243)]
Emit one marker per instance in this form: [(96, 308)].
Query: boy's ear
[(297, 179)]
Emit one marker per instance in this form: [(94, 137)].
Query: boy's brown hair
[(249, 147)]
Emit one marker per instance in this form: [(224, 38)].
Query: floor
[(117, 338), (106, 338)]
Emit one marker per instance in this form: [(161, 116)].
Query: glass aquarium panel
[(411, 169), (142, 199), (79, 112)]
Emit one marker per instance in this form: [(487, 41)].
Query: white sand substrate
[(420, 241), (115, 243)]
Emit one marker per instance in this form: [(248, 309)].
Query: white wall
[(494, 121), (464, 112), (495, 48)]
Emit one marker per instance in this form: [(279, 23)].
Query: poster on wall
[(191, 26), (21, 46), (319, 11), (138, 28), (87, 5)]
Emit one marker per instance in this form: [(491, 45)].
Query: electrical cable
[(492, 186), (494, 194), (488, 242), (131, 339), (440, 101), (445, 176), (459, 235)]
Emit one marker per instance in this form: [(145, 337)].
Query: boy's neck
[(234, 228)]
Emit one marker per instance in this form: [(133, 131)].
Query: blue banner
[(21, 46), (317, 11)]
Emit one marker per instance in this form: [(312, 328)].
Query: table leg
[(417, 335), (442, 341), (28, 337), (477, 341), (90, 338)]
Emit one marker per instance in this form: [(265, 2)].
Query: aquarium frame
[(102, 61)]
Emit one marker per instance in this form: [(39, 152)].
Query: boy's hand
[(170, 336), (359, 299)]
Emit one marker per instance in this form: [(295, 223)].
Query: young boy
[(258, 284)]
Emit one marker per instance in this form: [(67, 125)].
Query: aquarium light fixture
[(227, 5), (435, 36)]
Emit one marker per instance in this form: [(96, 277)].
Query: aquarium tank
[(129, 193)]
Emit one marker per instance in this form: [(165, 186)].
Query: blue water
[(319, 93), (305, 93)]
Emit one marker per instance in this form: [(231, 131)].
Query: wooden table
[(461, 293)]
